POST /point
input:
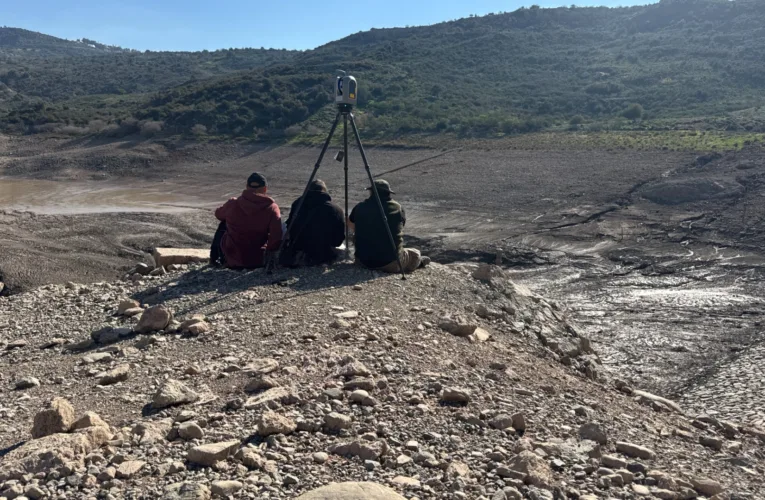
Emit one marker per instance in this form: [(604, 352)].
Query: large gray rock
[(352, 491), (56, 418), (154, 319), (172, 393)]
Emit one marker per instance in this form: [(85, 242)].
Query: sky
[(216, 24)]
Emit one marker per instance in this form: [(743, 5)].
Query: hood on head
[(252, 202)]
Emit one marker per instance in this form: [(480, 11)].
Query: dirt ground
[(657, 254)]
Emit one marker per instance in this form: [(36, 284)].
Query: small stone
[(126, 305), (402, 460), (27, 383), (593, 432), (154, 319), (119, 373), (260, 383), (363, 398), (707, 487), (711, 442), (336, 421), (190, 430), (209, 454), (57, 417), (320, 457), (455, 395), (635, 451), (129, 468), (613, 462), (272, 423), (519, 422), (173, 392), (406, 482), (225, 489), (347, 315), (501, 422), (34, 492)]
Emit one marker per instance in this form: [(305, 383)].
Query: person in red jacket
[(250, 228)]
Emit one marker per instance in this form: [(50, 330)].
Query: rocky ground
[(458, 383)]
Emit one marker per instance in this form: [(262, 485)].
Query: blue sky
[(211, 24)]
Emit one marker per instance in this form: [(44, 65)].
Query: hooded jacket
[(253, 226), (319, 228)]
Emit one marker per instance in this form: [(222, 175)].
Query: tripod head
[(346, 92)]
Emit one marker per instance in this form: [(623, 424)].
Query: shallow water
[(77, 197)]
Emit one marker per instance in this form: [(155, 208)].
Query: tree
[(633, 112)]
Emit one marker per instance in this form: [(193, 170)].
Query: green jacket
[(373, 247)]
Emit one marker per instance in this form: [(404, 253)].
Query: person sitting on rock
[(250, 229), (315, 232), (373, 247)]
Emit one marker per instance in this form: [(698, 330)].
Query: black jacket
[(319, 229)]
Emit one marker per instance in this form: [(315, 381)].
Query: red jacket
[(253, 225)]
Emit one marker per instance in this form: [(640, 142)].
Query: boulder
[(51, 452), (172, 393), (209, 454), (164, 257), (56, 418), (352, 491), (154, 319)]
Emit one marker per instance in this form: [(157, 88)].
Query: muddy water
[(78, 197)]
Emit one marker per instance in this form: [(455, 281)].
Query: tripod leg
[(377, 196), (286, 238), (345, 152)]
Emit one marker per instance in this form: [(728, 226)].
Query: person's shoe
[(424, 261)]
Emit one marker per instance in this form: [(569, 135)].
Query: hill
[(674, 64)]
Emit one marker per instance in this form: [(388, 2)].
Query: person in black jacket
[(318, 230)]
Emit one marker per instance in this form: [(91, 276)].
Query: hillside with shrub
[(674, 64)]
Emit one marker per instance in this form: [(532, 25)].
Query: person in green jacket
[(373, 248)]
